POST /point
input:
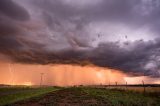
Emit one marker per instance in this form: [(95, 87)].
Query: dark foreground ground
[(12, 94), (86, 96)]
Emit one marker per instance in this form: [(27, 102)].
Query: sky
[(113, 34)]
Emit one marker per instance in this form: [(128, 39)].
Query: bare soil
[(64, 97)]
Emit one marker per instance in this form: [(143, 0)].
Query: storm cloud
[(121, 34)]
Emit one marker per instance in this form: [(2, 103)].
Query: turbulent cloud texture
[(121, 34)]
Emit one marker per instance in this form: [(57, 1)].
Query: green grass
[(111, 97), (13, 94), (123, 98)]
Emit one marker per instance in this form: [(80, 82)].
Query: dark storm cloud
[(137, 61), (137, 12), (133, 61), (47, 31), (12, 10)]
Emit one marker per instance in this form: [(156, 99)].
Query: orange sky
[(65, 75)]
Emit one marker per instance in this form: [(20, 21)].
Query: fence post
[(116, 83), (126, 85), (144, 89)]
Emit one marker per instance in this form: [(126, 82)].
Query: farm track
[(88, 96), (65, 97)]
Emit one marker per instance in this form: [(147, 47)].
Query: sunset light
[(79, 52)]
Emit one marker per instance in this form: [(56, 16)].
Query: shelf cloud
[(121, 34)]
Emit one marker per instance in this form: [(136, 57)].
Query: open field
[(136, 88), (141, 89), (118, 97), (90, 96), (10, 95)]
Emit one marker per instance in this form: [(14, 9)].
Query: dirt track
[(65, 97)]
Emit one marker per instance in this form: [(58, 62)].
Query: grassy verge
[(123, 98), (14, 94)]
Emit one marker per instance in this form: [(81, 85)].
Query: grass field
[(86, 96), (118, 97), (141, 89), (13, 94), (77, 96), (148, 89)]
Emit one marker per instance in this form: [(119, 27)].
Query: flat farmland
[(89, 96), (148, 89), (11, 94)]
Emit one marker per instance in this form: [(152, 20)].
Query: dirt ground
[(65, 97)]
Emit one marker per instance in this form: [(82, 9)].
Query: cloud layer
[(121, 34)]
